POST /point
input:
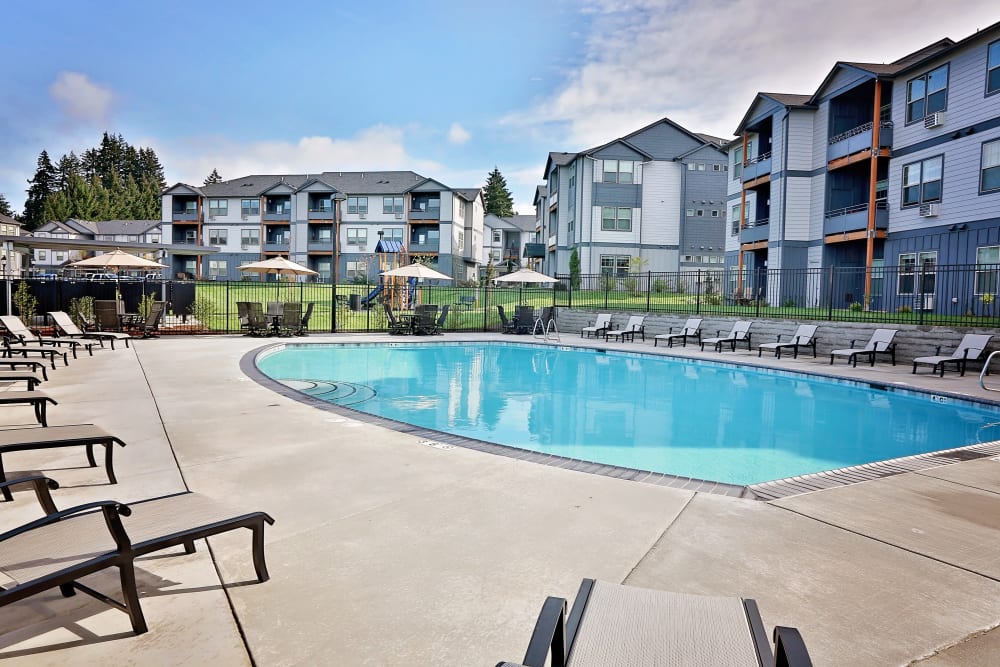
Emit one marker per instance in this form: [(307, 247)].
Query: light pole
[(337, 198)]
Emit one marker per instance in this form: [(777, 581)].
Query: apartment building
[(509, 243), (53, 260), (892, 168), (653, 200), (330, 222)]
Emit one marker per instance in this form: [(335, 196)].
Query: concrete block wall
[(911, 341)]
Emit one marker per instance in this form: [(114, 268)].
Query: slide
[(412, 293), (371, 296)]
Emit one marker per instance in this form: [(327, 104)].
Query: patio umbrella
[(279, 265), (526, 276), (416, 270), (117, 261)]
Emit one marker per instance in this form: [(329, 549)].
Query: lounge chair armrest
[(853, 341), (779, 339), (111, 508), (937, 350), (789, 649), (549, 633), (41, 485)]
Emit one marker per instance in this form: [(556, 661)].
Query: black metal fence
[(928, 295)]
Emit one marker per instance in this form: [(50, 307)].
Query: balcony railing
[(858, 139), (276, 246), (278, 215), (855, 218), (757, 166), (755, 230), (184, 216), (320, 213)]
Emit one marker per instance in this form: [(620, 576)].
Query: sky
[(445, 88)]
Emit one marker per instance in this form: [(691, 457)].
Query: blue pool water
[(683, 417)]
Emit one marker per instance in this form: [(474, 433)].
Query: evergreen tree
[(151, 168), (213, 177), (574, 269), (57, 207), (497, 197), (5, 208), (41, 186), (66, 167)]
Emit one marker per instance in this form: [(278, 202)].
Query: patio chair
[(396, 327), (151, 325), (12, 348), (507, 325), (257, 322), (970, 349), (304, 324), (423, 319), (804, 336), (881, 342), (611, 624), (442, 318), (32, 378), (740, 333), (598, 326), (85, 435), (691, 329), (291, 318), (64, 323), (635, 325), (243, 315), (64, 546), (33, 364), (106, 315), (17, 329), (524, 319)]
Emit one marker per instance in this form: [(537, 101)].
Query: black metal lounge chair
[(38, 400), (107, 315), (804, 336), (598, 326), (881, 342), (506, 324), (64, 546), (612, 624), (691, 329), (740, 333), (32, 378), (17, 329), (635, 325), (66, 326), (970, 349), (33, 364), (86, 435), (13, 348)]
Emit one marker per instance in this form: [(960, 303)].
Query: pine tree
[(213, 177), (5, 208), (42, 185), (151, 168), (497, 197), (574, 269), (66, 167)]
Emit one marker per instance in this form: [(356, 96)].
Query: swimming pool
[(690, 418)]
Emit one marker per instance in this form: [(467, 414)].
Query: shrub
[(631, 285), (26, 303), (607, 283), (202, 309), (856, 307), (81, 311), (659, 286), (146, 304), (904, 309)]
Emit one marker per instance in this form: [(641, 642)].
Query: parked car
[(102, 276), (47, 276)]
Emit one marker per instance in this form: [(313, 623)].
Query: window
[(496, 236), (618, 171), (701, 166), (105, 237), (615, 265), (357, 204), (190, 236), (495, 255), (987, 267), (715, 214), (357, 269), (218, 206), (392, 205), (43, 255), (218, 236), (191, 206), (690, 212), (154, 239), (989, 180), (217, 268), (700, 212), (737, 163), (249, 207), (249, 237), (735, 218), (716, 167), (396, 234), (357, 236), (616, 219), (460, 241), (59, 257), (927, 94), (993, 69), (922, 181), (692, 166), (324, 234), (917, 273)]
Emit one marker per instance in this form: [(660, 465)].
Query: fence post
[(829, 303), (697, 298), (649, 290), (227, 305), (486, 304), (919, 305), (607, 289), (333, 309)]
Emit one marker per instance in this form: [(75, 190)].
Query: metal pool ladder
[(550, 331), (986, 367)]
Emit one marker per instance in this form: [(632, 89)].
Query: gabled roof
[(316, 181), (540, 191), (623, 142), (664, 121), (352, 182), (182, 188), (787, 100), (523, 223), (7, 220), (77, 226), (125, 227), (557, 160), (373, 182), (468, 194), (428, 185), (719, 141)]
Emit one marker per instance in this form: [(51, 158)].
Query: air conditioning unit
[(929, 210), (362, 215), (933, 120), (244, 216), (399, 216)]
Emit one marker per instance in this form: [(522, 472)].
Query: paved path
[(387, 551)]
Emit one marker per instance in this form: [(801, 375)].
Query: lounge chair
[(16, 328), (881, 342), (33, 364), (12, 348), (85, 435), (507, 325), (32, 378), (64, 323), (64, 546), (598, 327), (635, 325), (691, 329), (740, 333), (38, 400), (611, 624), (970, 349), (804, 336)]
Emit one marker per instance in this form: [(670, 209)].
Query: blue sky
[(448, 89)]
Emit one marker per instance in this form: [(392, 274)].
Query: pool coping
[(765, 491)]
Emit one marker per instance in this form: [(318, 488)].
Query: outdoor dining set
[(279, 319)]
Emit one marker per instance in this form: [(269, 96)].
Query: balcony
[(755, 230), (553, 200), (552, 242), (319, 246), (184, 216), (534, 250), (858, 139), (276, 246), (427, 214), (320, 213), (855, 219), (284, 215), (757, 167)]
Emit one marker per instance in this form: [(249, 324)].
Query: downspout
[(784, 188), (743, 217), (872, 188)]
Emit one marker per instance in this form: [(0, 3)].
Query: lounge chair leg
[(126, 571), (189, 547), (90, 455), (7, 495), (259, 564), (67, 590), (109, 451)]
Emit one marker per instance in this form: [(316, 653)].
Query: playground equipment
[(398, 291)]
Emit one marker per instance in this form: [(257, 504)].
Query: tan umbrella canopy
[(117, 261), (280, 265), (416, 270), (526, 276)]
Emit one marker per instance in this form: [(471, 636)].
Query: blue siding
[(613, 194), (664, 142)]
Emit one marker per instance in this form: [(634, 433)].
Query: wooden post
[(872, 189)]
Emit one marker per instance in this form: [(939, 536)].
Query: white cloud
[(701, 63), (458, 134), (376, 148), (80, 98)]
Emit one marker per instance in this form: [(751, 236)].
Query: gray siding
[(664, 142), (618, 151), (613, 194)]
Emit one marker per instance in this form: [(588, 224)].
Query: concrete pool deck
[(389, 551)]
